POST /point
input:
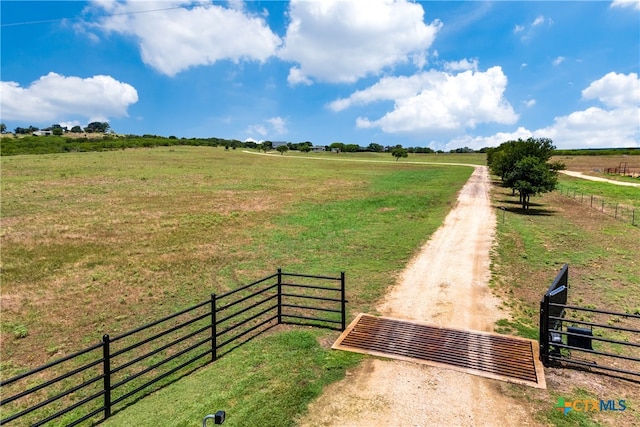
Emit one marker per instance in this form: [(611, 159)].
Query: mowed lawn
[(96, 243)]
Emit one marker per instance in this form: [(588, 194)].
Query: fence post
[(343, 298), (633, 217), (602, 205), (591, 200), (214, 333), (544, 330), (616, 214), (279, 296), (106, 372)]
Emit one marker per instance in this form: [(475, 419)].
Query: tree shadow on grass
[(535, 209)]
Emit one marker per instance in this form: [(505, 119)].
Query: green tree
[(523, 166), (399, 152), (76, 129), (57, 129), (375, 148), (531, 176), (338, 146), (305, 147), (282, 149), (97, 127), (3, 128), (25, 131), (424, 150), (266, 146), (502, 159), (462, 150)]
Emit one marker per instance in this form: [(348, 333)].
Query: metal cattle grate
[(479, 353)]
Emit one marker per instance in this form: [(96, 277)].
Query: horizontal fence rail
[(623, 170), (630, 214), (90, 385), (601, 340)]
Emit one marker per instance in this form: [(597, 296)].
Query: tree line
[(57, 129), (56, 142)]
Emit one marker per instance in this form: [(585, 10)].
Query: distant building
[(42, 133), (276, 144), (317, 148)]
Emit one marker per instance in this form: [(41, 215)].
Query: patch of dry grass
[(597, 165)]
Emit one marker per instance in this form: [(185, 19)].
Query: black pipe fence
[(616, 210), (585, 337), (90, 385)]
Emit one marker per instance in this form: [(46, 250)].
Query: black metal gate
[(587, 337), (89, 385)]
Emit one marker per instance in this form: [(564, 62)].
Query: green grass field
[(98, 243), (625, 195)]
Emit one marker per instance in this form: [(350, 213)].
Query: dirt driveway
[(445, 284)]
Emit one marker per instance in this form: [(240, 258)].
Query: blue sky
[(438, 74)]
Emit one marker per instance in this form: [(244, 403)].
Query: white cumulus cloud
[(594, 127), (270, 127), (391, 88), (173, 40), (615, 90), (54, 97), (462, 65), (437, 101), (278, 124), (635, 4), (478, 142), (343, 41)]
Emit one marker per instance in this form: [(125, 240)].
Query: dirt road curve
[(596, 178), (446, 284)]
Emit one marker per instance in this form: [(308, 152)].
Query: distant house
[(317, 148), (42, 133), (276, 144)]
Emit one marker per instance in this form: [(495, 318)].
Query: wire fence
[(616, 210)]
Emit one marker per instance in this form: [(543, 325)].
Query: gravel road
[(445, 284)]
